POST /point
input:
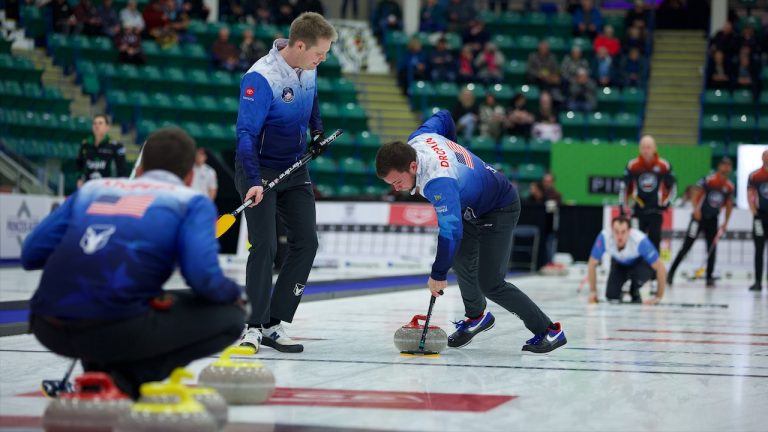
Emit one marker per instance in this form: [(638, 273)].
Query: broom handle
[(423, 340)]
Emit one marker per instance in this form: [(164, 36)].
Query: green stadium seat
[(506, 169), (573, 124), (376, 190), (484, 147), (514, 72), (349, 191), (325, 90), (476, 88), (355, 172), (504, 43), (585, 44), (764, 77), (714, 128), (158, 106), (355, 119), (716, 102), (743, 102), (743, 129), (330, 68), (345, 146), (626, 126), (531, 93), (331, 115), (536, 24), (368, 145), (513, 148), (524, 45), (762, 124), (120, 106), (719, 149), (34, 22), (394, 44), (324, 170), (558, 46), (126, 78), (561, 25), (446, 94), (599, 125), (144, 128), (326, 191), (193, 56), (530, 172), (609, 99), (421, 94), (539, 151), (503, 93), (184, 107), (633, 100)]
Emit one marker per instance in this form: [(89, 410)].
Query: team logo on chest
[(715, 199), (764, 190), (288, 95), (647, 182)]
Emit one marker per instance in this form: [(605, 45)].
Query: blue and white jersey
[(455, 181), (277, 102), (110, 247), (638, 246)]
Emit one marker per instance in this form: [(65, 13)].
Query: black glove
[(314, 147)]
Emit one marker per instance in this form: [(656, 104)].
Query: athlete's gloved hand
[(314, 147)]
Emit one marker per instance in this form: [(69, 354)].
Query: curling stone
[(407, 337), (94, 406), (181, 414), (239, 382), (208, 397)]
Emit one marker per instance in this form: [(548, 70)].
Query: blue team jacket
[(276, 104), (112, 245)]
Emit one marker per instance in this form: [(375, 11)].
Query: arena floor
[(698, 362)]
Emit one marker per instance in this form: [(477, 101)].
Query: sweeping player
[(633, 258), (713, 193), (757, 195), (278, 99), (477, 210)]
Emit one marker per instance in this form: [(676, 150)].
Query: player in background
[(477, 210), (757, 195), (633, 258), (713, 193), (98, 153), (278, 100)]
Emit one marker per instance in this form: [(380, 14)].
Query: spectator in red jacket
[(157, 24), (87, 17), (607, 40)]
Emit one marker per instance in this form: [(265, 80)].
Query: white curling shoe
[(275, 337), (251, 337)]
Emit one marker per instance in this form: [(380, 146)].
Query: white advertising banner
[(19, 215)]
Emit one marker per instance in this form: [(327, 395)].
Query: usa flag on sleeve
[(110, 205), (462, 155)]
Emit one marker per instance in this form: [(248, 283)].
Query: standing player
[(757, 195), (649, 181), (278, 98), (712, 193), (98, 152), (477, 210), (633, 258)]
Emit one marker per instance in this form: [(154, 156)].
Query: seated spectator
[(259, 12), (603, 67), (285, 13), (179, 21), (747, 72), (412, 65), (607, 40), (87, 19), (719, 72), (492, 117), (61, 16), (460, 12), (587, 21), (725, 40), (195, 9), (489, 64), (634, 39), (109, 20), (637, 17), (432, 17), (232, 11), (476, 36), (571, 64), (466, 64), (157, 24), (581, 94), (633, 69), (542, 68), (749, 40), (250, 50), (546, 125), (535, 194), (225, 54), (442, 62), (131, 17), (519, 119), (387, 16), (128, 43), (465, 114)]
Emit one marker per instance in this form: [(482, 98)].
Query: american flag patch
[(462, 155), (110, 205)]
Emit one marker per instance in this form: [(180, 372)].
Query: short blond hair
[(309, 27)]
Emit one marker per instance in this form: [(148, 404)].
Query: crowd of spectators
[(567, 83), (736, 58)]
